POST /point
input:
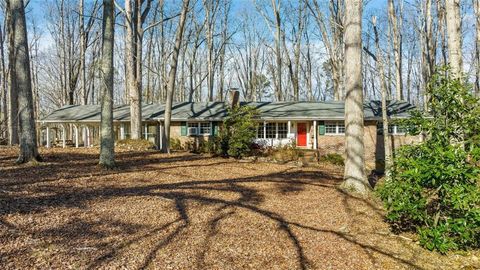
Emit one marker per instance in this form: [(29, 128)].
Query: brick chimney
[(234, 97)]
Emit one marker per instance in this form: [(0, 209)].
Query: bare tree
[(383, 87), (395, 22), (107, 145), (354, 178), (3, 87), (23, 83), (12, 91), (332, 36), (173, 74), (476, 6), (454, 31)]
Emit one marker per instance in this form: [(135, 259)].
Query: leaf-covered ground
[(185, 211)]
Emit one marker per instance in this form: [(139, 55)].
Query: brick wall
[(374, 149)]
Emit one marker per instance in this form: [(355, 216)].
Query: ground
[(186, 211)]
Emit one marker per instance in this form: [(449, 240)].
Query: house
[(307, 125)]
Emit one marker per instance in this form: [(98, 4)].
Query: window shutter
[(183, 130), (321, 128), (214, 128)]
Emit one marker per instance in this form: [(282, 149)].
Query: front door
[(301, 134)]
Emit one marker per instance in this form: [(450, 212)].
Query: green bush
[(335, 159), (286, 153), (434, 186), (237, 133)]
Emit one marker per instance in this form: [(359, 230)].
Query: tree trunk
[(278, 50), (12, 93), (23, 84), (4, 92), (395, 22), (83, 48), (107, 143), (383, 86), (476, 5), (172, 76), (454, 32), (354, 178), (131, 76)]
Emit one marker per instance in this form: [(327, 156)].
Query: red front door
[(301, 134)]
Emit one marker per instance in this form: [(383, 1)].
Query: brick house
[(307, 125)]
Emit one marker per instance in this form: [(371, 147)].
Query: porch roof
[(216, 111)]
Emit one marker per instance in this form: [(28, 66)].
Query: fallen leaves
[(185, 211)]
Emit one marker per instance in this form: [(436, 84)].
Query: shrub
[(176, 144), (335, 159), (434, 186), (136, 145), (286, 153), (237, 133)]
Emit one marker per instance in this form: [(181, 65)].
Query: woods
[(214, 134)]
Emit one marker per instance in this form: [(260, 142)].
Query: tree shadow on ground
[(112, 237)]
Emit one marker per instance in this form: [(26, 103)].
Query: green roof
[(216, 111)]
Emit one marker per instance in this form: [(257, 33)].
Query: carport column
[(87, 142), (315, 134), (264, 129), (122, 131), (76, 135), (64, 131), (48, 137), (157, 135)]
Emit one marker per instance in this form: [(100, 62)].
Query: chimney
[(234, 97)]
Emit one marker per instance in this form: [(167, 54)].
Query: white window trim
[(198, 126), (264, 126), (337, 128), (394, 131)]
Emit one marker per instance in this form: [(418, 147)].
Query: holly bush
[(238, 131), (434, 185)]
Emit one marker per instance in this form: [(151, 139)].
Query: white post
[(157, 135), (264, 129), (288, 128), (122, 131), (84, 136), (88, 137), (48, 137), (146, 131), (160, 135), (315, 134), (76, 135), (63, 136)]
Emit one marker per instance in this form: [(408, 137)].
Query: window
[(282, 130), (260, 133), (330, 128), (271, 131), (392, 129), (204, 128), (334, 128)]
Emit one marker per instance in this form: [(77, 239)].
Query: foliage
[(333, 158), (237, 133), (136, 145), (287, 152), (175, 144), (434, 187)]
